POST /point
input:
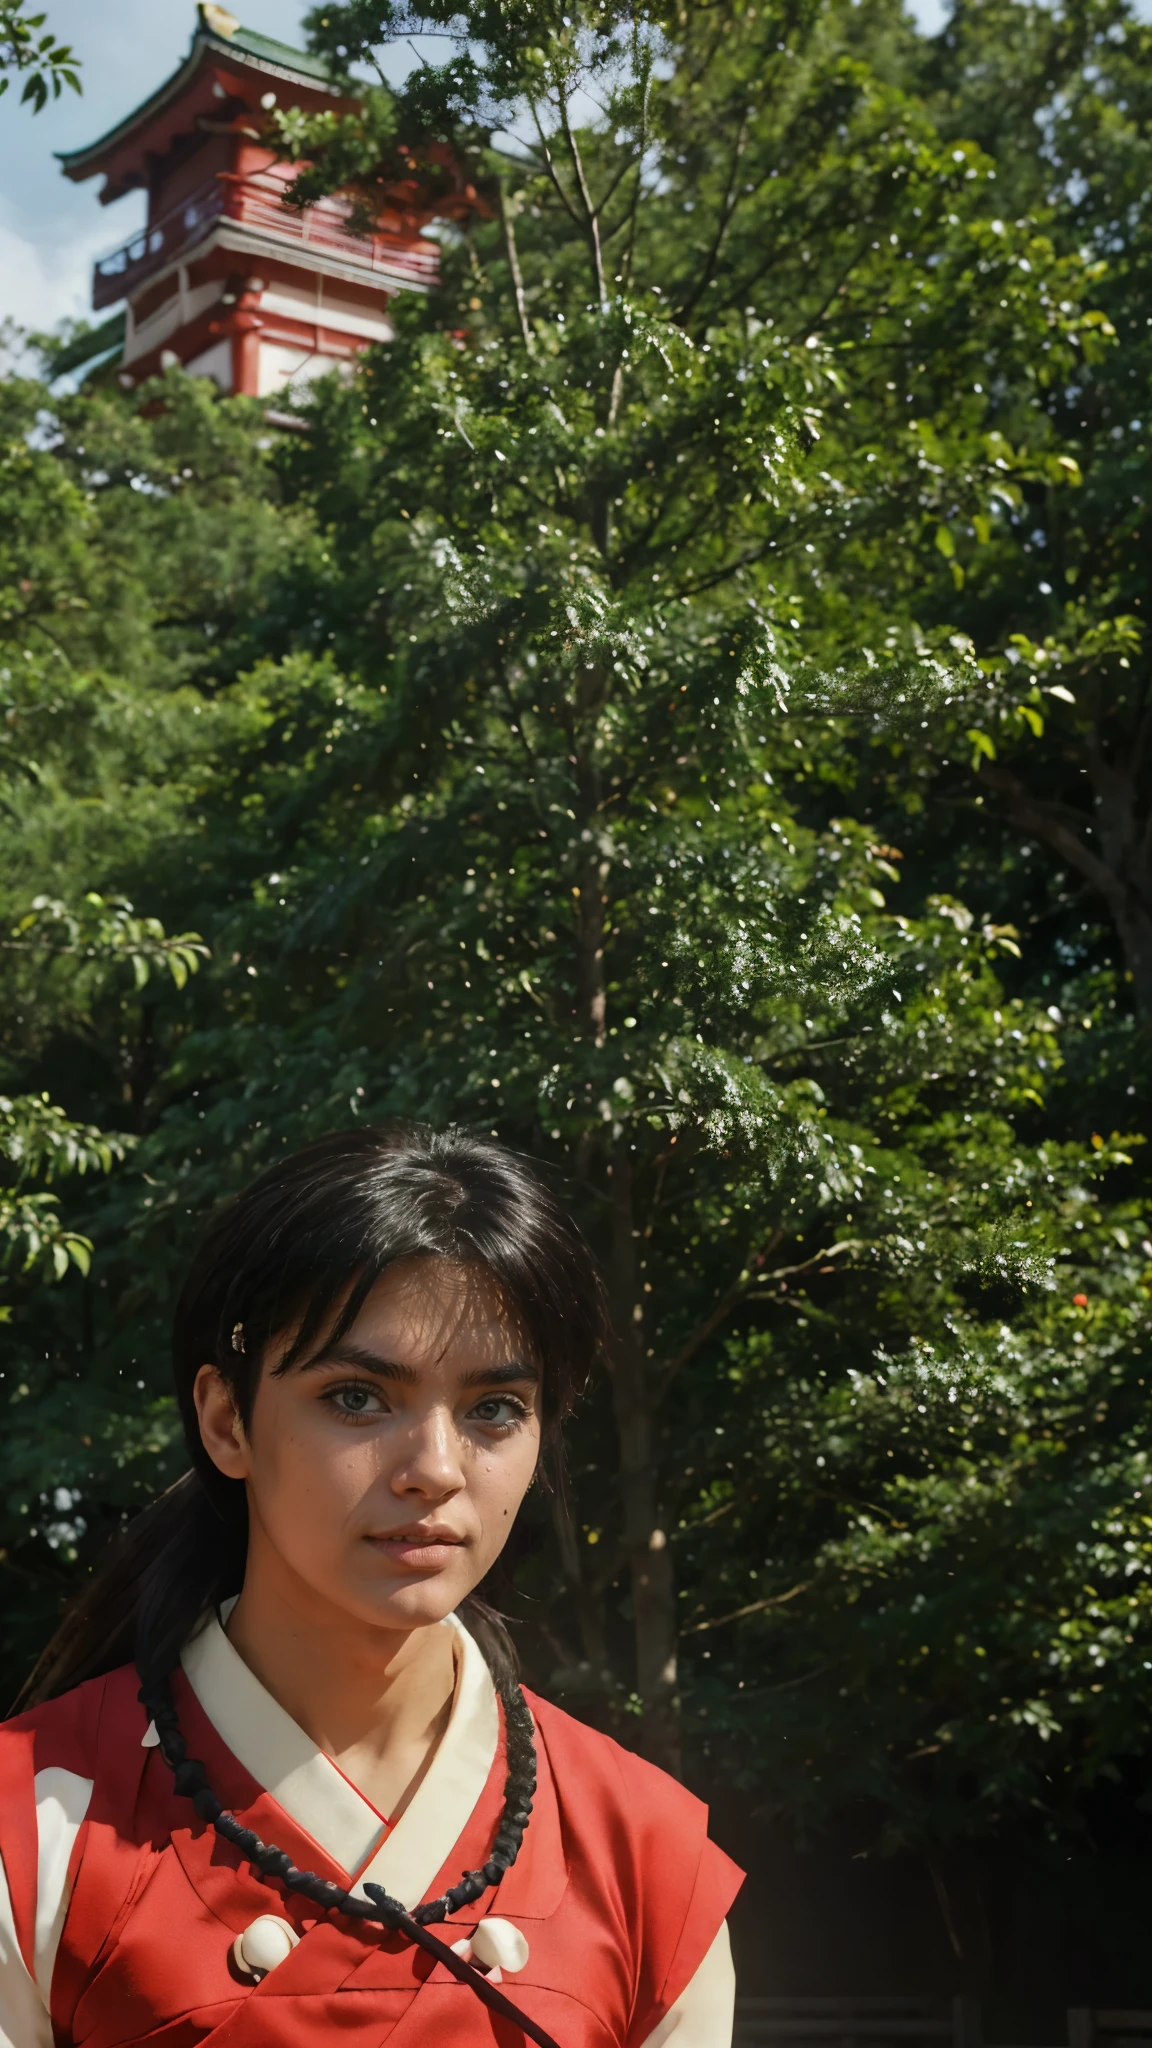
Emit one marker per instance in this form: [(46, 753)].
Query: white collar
[(286, 1763)]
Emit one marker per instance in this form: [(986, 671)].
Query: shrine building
[(224, 278)]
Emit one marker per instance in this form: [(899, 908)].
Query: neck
[(376, 1700)]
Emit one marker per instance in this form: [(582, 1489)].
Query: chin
[(417, 1605)]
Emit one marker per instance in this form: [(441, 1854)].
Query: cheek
[(308, 1478), (501, 1476)]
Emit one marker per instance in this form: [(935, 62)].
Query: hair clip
[(238, 1337)]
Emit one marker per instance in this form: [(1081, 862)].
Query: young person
[(278, 1783)]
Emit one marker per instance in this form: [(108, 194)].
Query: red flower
[(1079, 1301)]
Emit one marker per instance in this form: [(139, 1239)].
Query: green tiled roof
[(243, 43), (269, 51)]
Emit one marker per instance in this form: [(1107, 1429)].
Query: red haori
[(618, 1888)]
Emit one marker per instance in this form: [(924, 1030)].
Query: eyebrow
[(513, 1371)]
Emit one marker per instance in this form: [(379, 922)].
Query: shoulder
[(62, 1733), (645, 1835), (48, 1756), (47, 1776), (604, 1770), (632, 1799)]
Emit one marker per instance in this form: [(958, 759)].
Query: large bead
[(267, 1942), (499, 1945)]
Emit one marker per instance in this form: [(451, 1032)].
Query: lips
[(418, 1548)]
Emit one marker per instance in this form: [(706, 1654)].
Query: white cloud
[(44, 280)]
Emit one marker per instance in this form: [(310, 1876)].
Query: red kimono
[(122, 1907)]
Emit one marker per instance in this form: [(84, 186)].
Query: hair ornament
[(237, 1336)]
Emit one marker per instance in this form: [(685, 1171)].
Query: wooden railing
[(116, 276), (256, 202)]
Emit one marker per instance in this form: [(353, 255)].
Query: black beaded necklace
[(191, 1782)]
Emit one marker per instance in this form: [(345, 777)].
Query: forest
[(683, 705)]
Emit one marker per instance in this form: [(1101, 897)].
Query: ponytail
[(300, 1251)]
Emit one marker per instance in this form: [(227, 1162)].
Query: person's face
[(384, 1471)]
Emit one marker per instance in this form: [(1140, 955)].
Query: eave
[(242, 65)]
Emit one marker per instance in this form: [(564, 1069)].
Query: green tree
[(565, 506), (510, 737), (28, 48), (1046, 571), (133, 551), (1062, 591)]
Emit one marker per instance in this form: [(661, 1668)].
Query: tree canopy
[(624, 719)]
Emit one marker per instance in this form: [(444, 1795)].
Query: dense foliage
[(613, 723)]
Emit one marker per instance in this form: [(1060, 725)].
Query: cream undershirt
[(282, 1759)]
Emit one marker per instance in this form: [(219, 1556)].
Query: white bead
[(267, 1942), (499, 1945)]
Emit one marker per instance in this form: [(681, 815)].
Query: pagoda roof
[(219, 44)]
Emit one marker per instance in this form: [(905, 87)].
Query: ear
[(221, 1430)]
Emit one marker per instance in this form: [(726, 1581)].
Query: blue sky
[(50, 229)]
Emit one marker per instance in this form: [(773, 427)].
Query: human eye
[(354, 1400), (501, 1413)]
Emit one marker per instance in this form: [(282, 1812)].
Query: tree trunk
[(645, 1537), (586, 1601), (633, 1389), (1123, 832), (591, 899), (1119, 866), (591, 997), (1134, 924)]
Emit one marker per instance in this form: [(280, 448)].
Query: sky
[(52, 230)]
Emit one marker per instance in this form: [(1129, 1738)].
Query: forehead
[(432, 1311)]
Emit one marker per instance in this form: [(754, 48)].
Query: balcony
[(256, 203), (118, 275)]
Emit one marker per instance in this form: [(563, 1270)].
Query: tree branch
[(742, 1288), (557, 187), (697, 1628), (591, 213), (513, 255), (728, 206), (1032, 816)]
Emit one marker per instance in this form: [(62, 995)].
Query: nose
[(429, 1461)]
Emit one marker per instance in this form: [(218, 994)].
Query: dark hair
[(298, 1252)]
